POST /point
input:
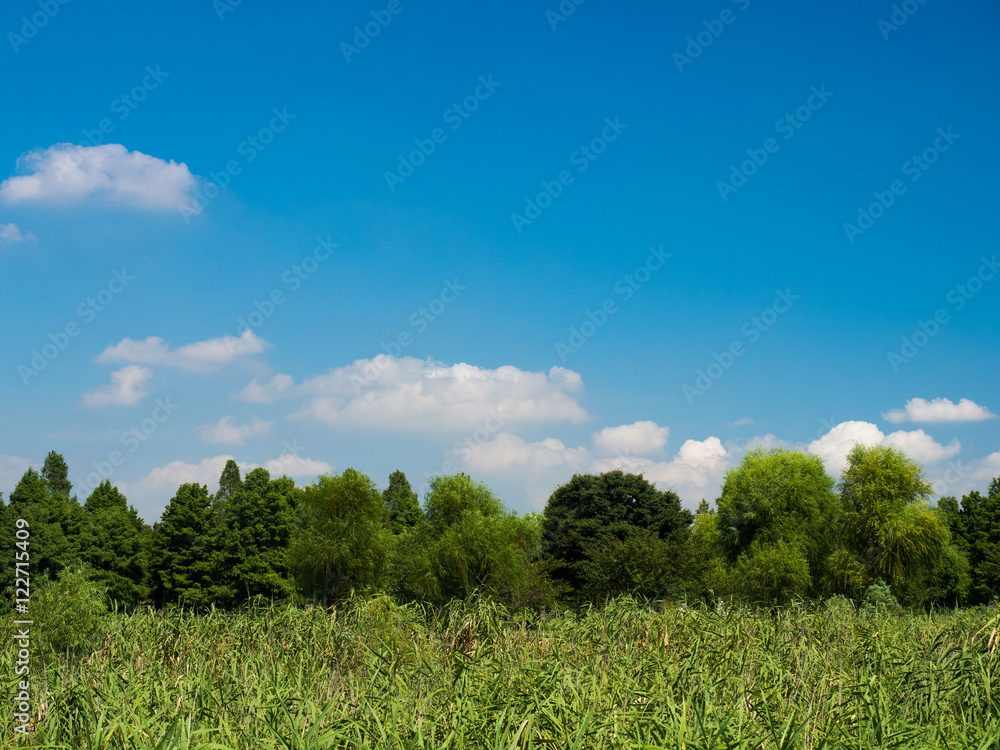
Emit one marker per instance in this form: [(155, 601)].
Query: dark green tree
[(181, 565), (55, 472), (116, 544), (615, 533), (979, 536), (774, 518), (402, 507)]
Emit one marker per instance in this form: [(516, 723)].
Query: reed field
[(370, 673)]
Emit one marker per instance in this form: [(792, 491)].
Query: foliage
[(55, 472), (880, 599), (402, 507), (340, 545), (181, 570), (115, 544), (593, 525), (887, 529), (70, 613), (777, 506), (371, 674)]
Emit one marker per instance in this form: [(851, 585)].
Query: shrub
[(880, 599), (70, 612)]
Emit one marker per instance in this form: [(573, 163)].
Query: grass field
[(372, 674)]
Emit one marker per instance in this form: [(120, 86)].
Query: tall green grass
[(373, 674)]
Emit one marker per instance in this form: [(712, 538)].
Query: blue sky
[(509, 240)]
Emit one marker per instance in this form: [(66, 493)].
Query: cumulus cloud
[(297, 467), (834, 446), (10, 234), (128, 387), (227, 432), (939, 410), (200, 356), (257, 393), (637, 439), (108, 173), (698, 465), (507, 452), (410, 394)]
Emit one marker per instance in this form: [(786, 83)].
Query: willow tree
[(887, 529)]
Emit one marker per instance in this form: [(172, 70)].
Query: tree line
[(782, 529)]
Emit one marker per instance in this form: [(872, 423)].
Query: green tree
[(978, 534), (181, 565), (115, 544), (615, 533), (55, 472), (469, 542), (887, 529), (340, 545), (774, 518), (402, 507)]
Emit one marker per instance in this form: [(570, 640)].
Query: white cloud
[(410, 394), (297, 467), (256, 393), (227, 432), (110, 173), (200, 356), (12, 468), (939, 410), (637, 439), (128, 387), (507, 452), (10, 234), (834, 446), (743, 422), (151, 494), (921, 447), (698, 465)]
